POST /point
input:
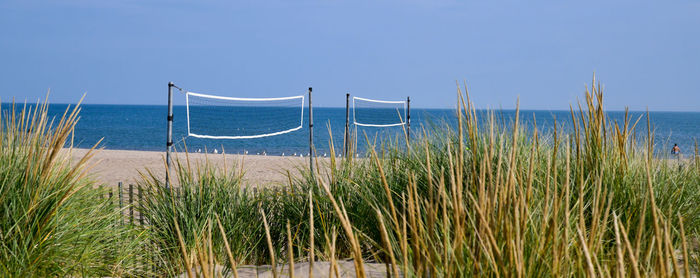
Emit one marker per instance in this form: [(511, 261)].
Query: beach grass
[(53, 222), (186, 215), (488, 197), (497, 200)]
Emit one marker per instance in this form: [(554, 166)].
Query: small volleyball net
[(378, 113), (219, 117)]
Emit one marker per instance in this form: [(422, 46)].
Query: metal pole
[(169, 142), (347, 124), (311, 135), (408, 118)]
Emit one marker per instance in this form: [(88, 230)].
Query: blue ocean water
[(143, 127)]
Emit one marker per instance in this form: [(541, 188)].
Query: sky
[(646, 54)]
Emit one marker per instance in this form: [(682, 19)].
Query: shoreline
[(108, 167)]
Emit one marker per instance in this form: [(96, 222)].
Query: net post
[(347, 125), (311, 135), (169, 142), (408, 119)]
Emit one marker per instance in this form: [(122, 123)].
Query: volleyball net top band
[(220, 117), (378, 113)]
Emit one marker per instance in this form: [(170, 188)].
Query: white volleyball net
[(218, 117), (378, 113)]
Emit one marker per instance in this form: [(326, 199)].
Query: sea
[(143, 127)]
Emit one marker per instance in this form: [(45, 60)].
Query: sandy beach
[(113, 166), (345, 268)]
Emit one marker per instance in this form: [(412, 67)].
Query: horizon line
[(423, 108)]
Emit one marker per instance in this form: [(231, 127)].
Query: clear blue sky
[(646, 53)]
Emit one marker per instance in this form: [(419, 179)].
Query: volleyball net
[(219, 117), (378, 113)]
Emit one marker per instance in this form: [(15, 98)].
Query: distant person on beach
[(676, 150)]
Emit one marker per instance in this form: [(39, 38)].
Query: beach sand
[(346, 268), (113, 166)]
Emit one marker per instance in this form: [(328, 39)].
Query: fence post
[(347, 125), (131, 204), (311, 135), (140, 203), (144, 258), (121, 203)]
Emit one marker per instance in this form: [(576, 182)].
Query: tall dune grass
[(184, 217), (486, 197), (492, 200), (52, 222)]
